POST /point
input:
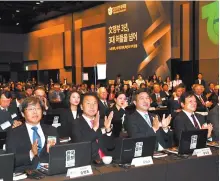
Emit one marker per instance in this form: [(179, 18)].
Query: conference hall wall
[(209, 40), (93, 36)]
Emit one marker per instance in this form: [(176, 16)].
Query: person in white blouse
[(140, 80), (169, 83), (177, 80)]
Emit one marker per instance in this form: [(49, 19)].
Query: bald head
[(102, 93)]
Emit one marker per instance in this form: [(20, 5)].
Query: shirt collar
[(29, 126), (141, 112), (3, 108), (188, 113), (17, 103)]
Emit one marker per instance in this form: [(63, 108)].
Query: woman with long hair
[(68, 115), (119, 113)]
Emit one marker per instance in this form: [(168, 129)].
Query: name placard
[(79, 171), (202, 152), (141, 161)]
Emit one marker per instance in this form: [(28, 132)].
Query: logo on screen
[(117, 9)]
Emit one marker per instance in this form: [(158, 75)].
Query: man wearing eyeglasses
[(7, 120), (31, 141)]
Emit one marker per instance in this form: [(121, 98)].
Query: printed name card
[(79, 171), (141, 161), (202, 152)]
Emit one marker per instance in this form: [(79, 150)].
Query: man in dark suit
[(174, 103), (202, 103), (103, 103), (5, 100), (166, 91), (213, 118), (14, 106), (214, 97), (143, 124), (158, 97), (31, 141), (187, 119), (200, 80), (90, 128)]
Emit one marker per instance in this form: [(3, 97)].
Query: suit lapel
[(188, 122), (26, 137), (142, 120)]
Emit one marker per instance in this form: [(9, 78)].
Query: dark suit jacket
[(5, 116), (66, 120), (117, 120), (200, 106), (202, 82), (13, 109), (18, 142), (213, 117), (81, 132), (162, 96), (138, 127), (103, 111), (173, 105), (183, 123), (214, 99)]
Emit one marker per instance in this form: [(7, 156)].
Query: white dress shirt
[(88, 120), (165, 130), (30, 133), (74, 114)]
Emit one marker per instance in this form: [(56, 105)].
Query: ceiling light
[(0, 18), (17, 11), (41, 1), (37, 3), (17, 24)]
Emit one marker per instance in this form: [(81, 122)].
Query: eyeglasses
[(33, 109)]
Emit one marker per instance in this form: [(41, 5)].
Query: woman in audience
[(125, 90), (154, 79), (111, 93), (69, 115), (177, 80), (160, 82), (119, 113), (169, 83)]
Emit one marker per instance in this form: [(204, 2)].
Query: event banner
[(132, 42)]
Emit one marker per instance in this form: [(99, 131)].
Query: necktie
[(147, 119), (36, 136), (100, 152), (195, 122), (105, 104), (200, 98)]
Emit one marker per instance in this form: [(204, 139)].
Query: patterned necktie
[(195, 122), (100, 152), (105, 104), (147, 119), (202, 101), (36, 136)]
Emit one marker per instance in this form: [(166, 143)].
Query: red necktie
[(195, 122), (100, 152)]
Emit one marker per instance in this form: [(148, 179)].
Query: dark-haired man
[(187, 119), (200, 80), (31, 141), (89, 127), (143, 123), (7, 118)]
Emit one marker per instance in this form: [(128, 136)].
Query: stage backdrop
[(138, 38)]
